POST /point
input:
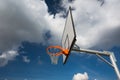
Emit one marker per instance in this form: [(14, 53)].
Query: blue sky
[(28, 27)]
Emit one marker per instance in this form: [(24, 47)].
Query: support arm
[(105, 53)]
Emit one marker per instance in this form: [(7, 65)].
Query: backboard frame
[(69, 13)]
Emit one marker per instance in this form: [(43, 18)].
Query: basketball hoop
[(55, 51)]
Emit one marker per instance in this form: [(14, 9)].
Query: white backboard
[(69, 35)]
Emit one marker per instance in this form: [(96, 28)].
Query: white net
[(54, 59)]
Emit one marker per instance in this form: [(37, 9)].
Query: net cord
[(54, 59)]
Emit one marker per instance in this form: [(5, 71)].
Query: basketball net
[(54, 59)]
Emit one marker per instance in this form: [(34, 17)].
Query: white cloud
[(26, 59), (7, 56), (80, 76), (22, 20)]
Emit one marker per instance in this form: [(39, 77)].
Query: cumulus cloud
[(26, 59), (26, 20), (80, 76), (7, 56), (22, 20)]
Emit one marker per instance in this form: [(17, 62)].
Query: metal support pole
[(105, 60), (113, 60), (105, 53)]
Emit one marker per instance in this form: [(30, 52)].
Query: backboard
[(69, 35)]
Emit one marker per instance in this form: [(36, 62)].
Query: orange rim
[(62, 50)]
